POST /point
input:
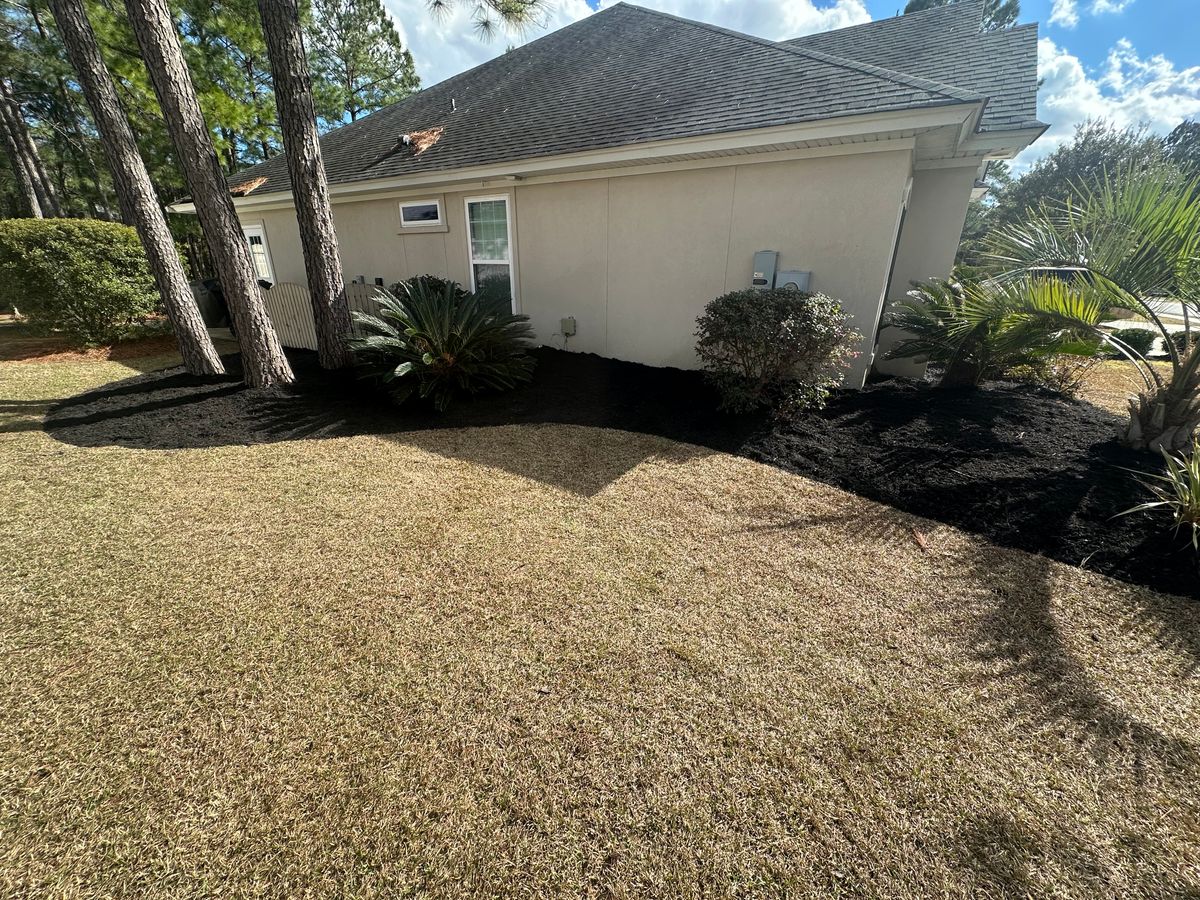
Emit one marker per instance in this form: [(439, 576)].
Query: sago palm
[(1132, 240), (980, 331), (434, 341)]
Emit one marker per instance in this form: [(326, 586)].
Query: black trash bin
[(211, 299)]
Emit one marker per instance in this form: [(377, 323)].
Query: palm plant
[(1177, 490), (1131, 241), (978, 331), (434, 341)]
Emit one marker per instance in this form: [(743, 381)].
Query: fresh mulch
[(547, 660), (1021, 467), (170, 409)]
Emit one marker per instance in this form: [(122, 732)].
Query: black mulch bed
[(1018, 466)]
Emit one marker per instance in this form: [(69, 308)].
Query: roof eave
[(1005, 143)]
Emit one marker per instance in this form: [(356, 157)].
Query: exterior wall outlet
[(567, 327)]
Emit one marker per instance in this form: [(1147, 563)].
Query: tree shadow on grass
[(583, 465), (1007, 858), (1004, 856), (1014, 632), (1007, 621), (172, 410), (1018, 638), (23, 415)]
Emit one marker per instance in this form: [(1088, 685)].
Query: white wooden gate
[(362, 297), (290, 309)]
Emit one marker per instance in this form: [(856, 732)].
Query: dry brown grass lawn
[(1111, 383), (558, 661)]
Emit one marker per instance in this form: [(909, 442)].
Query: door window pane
[(488, 221), (491, 254), (258, 255), (493, 282)]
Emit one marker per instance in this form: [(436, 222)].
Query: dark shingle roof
[(623, 76), (947, 44)]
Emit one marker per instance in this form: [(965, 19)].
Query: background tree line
[(189, 53), (1097, 151), (356, 58)]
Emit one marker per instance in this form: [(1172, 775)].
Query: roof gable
[(947, 44), (623, 76)]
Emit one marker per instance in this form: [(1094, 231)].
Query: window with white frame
[(488, 231), (256, 237), (420, 213)]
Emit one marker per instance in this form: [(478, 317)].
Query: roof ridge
[(927, 84), (902, 78)]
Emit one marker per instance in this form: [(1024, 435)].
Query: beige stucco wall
[(634, 258), (937, 209), (371, 242)]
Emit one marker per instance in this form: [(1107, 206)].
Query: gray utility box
[(793, 280), (765, 264)]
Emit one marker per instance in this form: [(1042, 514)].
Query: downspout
[(887, 286)]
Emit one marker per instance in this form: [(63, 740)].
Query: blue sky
[(1129, 61)]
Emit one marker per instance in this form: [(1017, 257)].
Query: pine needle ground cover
[(557, 661)]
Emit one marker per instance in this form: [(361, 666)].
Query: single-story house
[(616, 175)]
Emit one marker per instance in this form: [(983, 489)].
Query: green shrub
[(1064, 374), (1184, 341), (779, 348), (1139, 340), (435, 341), (83, 277), (434, 283), (1177, 491)]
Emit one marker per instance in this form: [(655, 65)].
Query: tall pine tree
[(358, 62)]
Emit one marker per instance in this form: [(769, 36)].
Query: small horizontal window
[(420, 213)]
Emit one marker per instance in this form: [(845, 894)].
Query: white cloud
[(1064, 13), (1131, 90), (446, 45), (774, 19)]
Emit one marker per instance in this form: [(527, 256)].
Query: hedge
[(83, 277)]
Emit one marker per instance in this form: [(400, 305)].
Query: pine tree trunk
[(298, 122), (27, 150), (133, 186), (25, 192), (262, 355)]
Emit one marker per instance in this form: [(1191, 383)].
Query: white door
[(489, 247), (256, 237)]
